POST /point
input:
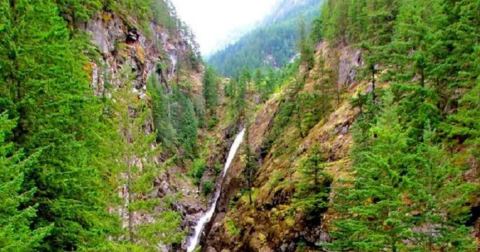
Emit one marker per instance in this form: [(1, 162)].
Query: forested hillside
[(272, 45), (371, 144), (113, 133), (101, 102)]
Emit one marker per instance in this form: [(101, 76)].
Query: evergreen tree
[(210, 91), (402, 197), (166, 133), (270, 84), (200, 111), (78, 10), (314, 187), (240, 98), (325, 86), (305, 46), (463, 127), (15, 231), (43, 75), (185, 122)]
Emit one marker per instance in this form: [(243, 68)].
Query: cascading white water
[(193, 240)]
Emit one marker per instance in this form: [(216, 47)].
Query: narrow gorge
[(319, 125)]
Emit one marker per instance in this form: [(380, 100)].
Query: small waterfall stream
[(194, 240)]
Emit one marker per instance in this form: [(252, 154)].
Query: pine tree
[(78, 10), (43, 75), (166, 133), (405, 195), (240, 102), (305, 46), (185, 122), (314, 187), (325, 86), (270, 84), (15, 231), (417, 23), (463, 127), (210, 91)]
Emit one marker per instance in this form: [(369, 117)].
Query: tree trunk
[(373, 82), (130, 199)]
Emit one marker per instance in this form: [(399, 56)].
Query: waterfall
[(194, 240)]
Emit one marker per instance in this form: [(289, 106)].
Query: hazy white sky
[(214, 21)]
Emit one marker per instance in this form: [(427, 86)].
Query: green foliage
[(282, 119), (305, 46), (15, 232), (44, 83), (407, 191), (251, 166), (200, 111), (166, 133), (207, 188), (237, 91), (272, 45), (402, 183), (197, 169), (136, 159), (60, 174), (232, 230), (79, 10), (317, 104), (314, 187), (176, 118), (464, 127), (185, 121), (210, 91), (270, 82), (162, 14), (140, 9)]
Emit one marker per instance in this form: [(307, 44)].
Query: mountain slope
[(374, 148), (272, 45), (103, 121)]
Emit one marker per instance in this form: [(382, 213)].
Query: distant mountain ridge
[(272, 44), (288, 8)]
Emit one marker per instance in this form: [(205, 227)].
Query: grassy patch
[(232, 230)]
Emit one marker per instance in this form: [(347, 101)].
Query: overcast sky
[(214, 21)]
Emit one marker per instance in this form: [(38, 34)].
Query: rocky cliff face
[(122, 45), (272, 223), (157, 52)]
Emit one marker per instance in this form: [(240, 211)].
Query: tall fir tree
[(15, 220), (313, 189), (405, 195), (166, 133), (43, 75)]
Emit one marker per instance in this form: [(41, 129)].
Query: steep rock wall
[(122, 46)]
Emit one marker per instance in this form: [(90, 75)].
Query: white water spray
[(193, 241)]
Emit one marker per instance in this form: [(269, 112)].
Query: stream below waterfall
[(195, 238)]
